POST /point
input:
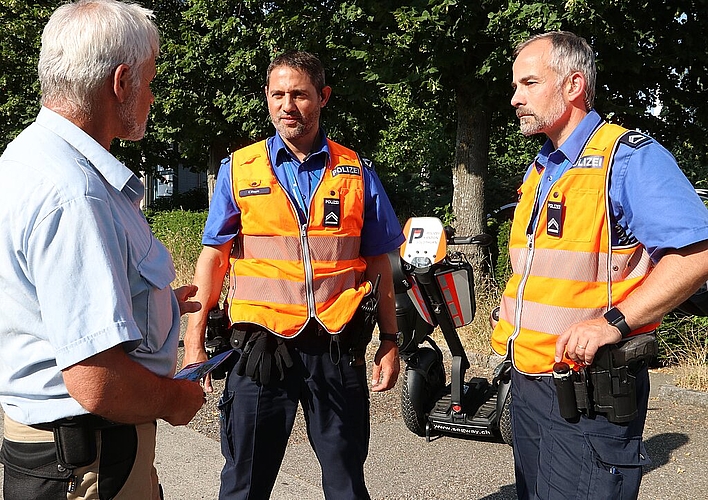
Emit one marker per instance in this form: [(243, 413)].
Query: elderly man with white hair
[(90, 325)]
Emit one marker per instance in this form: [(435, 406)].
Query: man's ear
[(324, 95), (121, 82), (576, 87)]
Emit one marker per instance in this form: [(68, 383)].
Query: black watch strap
[(393, 337), (615, 317)]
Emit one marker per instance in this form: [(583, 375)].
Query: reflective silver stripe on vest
[(322, 248), (583, 266), (253, 289), (550, 319)]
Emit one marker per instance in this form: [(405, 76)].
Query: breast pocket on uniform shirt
[(153, 305)]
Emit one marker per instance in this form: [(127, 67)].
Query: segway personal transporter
[(435, 287)]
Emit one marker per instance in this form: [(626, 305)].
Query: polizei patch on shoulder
[(634, 139)]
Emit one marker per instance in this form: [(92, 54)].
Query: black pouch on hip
[(76, 445)]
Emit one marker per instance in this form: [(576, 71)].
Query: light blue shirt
[(651, 198), (80, 270)]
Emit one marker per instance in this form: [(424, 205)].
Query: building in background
[(166, 186)]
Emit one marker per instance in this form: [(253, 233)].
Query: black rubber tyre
[(414, 420), (505, 421)]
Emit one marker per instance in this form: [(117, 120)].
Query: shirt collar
[(573, 145), (279, 151), (116, 174)]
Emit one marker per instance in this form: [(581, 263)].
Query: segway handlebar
[(483, 240)]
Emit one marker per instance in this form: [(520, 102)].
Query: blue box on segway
[(457, 288)]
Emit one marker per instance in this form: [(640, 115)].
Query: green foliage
[(414, 154), (500, 253), (193, 200), (683, 338), (210, 85), (181, 232), (22, 23), (510, 154)]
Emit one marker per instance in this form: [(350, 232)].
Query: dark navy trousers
[(256, 422), (555, 459)]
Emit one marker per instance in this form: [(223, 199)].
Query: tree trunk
[(470, 171), (217, 152)]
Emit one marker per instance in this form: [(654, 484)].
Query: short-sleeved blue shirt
[(651, 198), (380, 234), (80, 270)]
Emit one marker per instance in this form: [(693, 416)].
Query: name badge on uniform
[(554, 213), (331, 212)]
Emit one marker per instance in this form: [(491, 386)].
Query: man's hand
[(582, 340), (183, 294), (387, 365), (197, 354), (191, 398), (116, 387)]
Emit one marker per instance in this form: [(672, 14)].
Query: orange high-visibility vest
[(282, 274), (566, 271)]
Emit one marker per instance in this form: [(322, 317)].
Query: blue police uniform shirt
[(651, 198), (81, 271), (381, 232)]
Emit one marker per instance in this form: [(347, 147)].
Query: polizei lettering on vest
[(346, 169), (593, 161)]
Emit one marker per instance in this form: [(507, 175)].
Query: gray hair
[(84, 42), (569, 53)]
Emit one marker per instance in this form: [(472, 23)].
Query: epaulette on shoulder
[(634, 139), (367, 163)]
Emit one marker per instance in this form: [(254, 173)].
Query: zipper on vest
[(309, 275), (522, 285), (530, 239)]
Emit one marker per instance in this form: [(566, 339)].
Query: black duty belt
[(87, 420)]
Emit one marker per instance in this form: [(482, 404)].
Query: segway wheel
[(505, 421), (414, 420)]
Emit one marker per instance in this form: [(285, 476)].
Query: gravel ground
[(384, 407), (405, 467)]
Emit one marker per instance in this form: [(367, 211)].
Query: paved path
[(404, 466)]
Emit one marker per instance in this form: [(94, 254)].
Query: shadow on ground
[(661, 446)]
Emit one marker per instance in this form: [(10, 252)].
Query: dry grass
[(687, 351), (475, 336), (692, 376)]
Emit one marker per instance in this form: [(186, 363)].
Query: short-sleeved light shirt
[(381, 232), (80, 270)]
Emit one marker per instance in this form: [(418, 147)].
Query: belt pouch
[(76, 445)]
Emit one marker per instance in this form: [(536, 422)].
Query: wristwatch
[(393, 337), (615, 317)]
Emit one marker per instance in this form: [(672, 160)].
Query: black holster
[(217, 340), (609, 385), (360, 329), (75, 438)]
